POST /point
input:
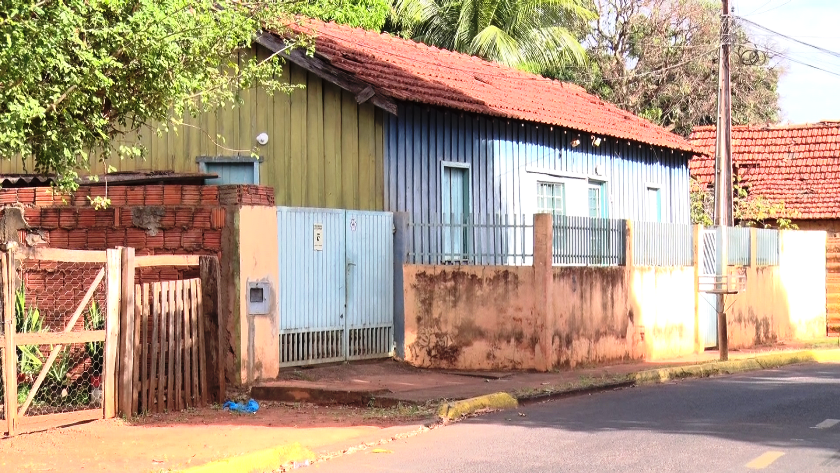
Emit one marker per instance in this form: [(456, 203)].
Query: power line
[(791, 38)]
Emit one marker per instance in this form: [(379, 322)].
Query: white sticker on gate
[(318, 237)]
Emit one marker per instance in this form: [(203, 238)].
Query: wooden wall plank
[(7, 272), (349, 151), (158, 336), (147, 358), (171, 347), (211, 323), (283, 135), (379, 139), (367, 158), (188, 342), (194, 344), (164, 346), (179, 344), (138, 349), (314, 158), (332, 145), (297, 120), (112, 326), (127, 324)]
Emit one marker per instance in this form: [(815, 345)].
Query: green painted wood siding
[(324, 149)]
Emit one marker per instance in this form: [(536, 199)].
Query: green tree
[(367, 14), (527, 34), (749, 209), (75, 74), (659, 59)]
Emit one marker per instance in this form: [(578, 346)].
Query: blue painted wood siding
[(502, 155)]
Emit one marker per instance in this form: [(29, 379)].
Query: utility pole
[(723, 174)]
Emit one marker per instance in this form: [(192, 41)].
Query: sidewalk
[(388, 383), (172, 442)]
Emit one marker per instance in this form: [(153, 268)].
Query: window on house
[(455, 200), (231, 170), (596, 201), (551, 198), (654, 204)]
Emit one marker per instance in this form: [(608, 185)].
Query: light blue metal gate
[(708, 302), (336, 285)]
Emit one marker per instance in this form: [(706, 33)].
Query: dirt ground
[(172, 441)]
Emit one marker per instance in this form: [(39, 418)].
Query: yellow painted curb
[(263, 460), (769, 361), (456, 409)]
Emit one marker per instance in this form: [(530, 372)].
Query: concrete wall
[(258, 354), (544, 317), (785, 302)]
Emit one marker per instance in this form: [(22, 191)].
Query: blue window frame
[(231, 169)]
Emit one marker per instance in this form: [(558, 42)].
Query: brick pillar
[(543, 255)]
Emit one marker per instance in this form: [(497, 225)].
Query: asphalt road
[(776, 420)]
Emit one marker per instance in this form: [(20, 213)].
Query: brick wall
[(153, 219)]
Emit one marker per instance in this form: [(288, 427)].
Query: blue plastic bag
[(250, 408)]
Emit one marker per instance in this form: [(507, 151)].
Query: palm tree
[(527, 34)]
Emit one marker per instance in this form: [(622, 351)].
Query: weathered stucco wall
[(470, 317), (258, 334), (473, 317), (785, 302)]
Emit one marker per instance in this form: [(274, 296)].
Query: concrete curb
[(456, 409), (262, 460), (704, 370)]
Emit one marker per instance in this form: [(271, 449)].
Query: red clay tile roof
[(411, 71), (798, 164)]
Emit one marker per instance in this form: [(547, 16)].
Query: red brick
[(43, 196), (126, 218), (172, 239), (209, 195), (201, 218), (96, 239), (117, 194), (135, 238), (87, 217), (154, 194), (168, 220), (217, 218), (104, 217), (80, 197), (135, 195), (59, 238), (26, 196), (191, 239), (49, 218), (172, 195), (191, 195), (68, 218), (32, 215), (115, 237), (184, 217), (212, 239), (8, 196), (155, 241), (77, 239)]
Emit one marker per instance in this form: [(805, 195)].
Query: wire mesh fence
[(59, 374)]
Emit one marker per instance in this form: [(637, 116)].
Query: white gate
[(336, 292), (708, 301)]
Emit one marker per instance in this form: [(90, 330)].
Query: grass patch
[(401, 411)]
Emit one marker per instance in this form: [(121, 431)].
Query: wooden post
[(213, 319), (628, 243), (112, 327), (179, 343), (169, 286), (127, 325), (10, 371), (140, 326)]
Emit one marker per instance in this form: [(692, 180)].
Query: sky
[(807, 95)]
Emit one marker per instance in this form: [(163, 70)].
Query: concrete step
[(322, 395)]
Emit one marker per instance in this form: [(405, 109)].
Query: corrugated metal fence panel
[(663, 244), (499, 152), (584, 241), (739, 245), (311, 292), (767, 247), (370, 288)]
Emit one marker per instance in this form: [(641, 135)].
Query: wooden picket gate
[(85, 342)]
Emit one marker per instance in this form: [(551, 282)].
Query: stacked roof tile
[(410, 71), (798, 165)]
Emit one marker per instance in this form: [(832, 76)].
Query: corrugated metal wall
[(499, 151), (324, 149)]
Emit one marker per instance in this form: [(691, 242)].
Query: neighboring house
[(798, 165), (390, 124)]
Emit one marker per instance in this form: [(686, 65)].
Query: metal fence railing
[(739, 245), (473, 239), (584, 241), (663, 244), (767, 247)]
